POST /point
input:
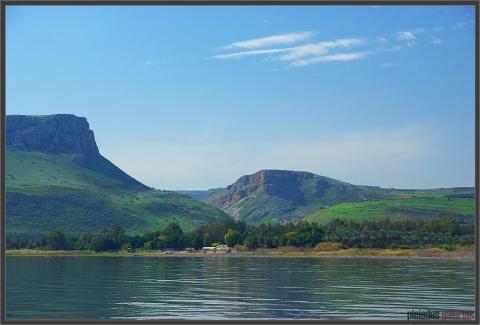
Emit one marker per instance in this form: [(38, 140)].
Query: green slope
[(51, 191), (281, 196), (462, 209)]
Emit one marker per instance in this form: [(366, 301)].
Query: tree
[(232, 237), (55, 239), (250, 242), (148, 245), (116, 233), (103, 243), (136, 241), (196, 239), (172, 236)]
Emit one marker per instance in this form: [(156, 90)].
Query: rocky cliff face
[(62, 133), (284, 195), (282, 183)]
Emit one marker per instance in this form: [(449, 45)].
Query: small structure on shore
[(221, 249), (208, 249)]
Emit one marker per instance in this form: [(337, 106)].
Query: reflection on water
[(218, 287)]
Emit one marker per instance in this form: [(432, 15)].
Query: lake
[(219, 287)]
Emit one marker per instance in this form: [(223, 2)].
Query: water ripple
[(233, 288)]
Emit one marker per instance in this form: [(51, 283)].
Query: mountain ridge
[(284, 195), (66, 134), (56, 178), (272, 195)]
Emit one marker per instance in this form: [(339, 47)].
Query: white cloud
[(271, 40), (388, 65), (320, 48), (326, 51), (382, 39), (390, 49), (406, 36), (306, 54), (460, 25), (239, 55), (419, 30), (409, 36), (330, 58)]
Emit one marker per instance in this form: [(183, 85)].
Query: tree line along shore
[(443, 237)]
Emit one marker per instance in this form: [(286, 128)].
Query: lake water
[(233, 287)]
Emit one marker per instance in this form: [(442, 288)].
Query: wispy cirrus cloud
[(389, 49), (281, 39), (302, 55), (331, 58), (382, 39), (320, 48), (388, 65), (239, 55), (456, 26), (278, 47)]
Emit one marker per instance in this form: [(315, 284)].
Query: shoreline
[(462, 253)]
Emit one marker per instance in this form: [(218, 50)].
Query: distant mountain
[(288, 196), (200, 195), (64, 134), (282, 196), (56, 178)]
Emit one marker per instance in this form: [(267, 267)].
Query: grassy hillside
[(462, 209), (51, 191), (281, 196), (278, 196)]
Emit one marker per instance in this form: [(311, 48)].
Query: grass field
[(459, 208)]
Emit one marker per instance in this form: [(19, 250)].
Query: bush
[(327, 247), (232, 237)]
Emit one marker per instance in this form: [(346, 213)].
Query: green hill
[(461, 209), (71, 187), (280, 196)]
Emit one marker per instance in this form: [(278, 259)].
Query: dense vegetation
[(382, 233)]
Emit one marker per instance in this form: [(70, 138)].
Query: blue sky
[(195, 97)]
